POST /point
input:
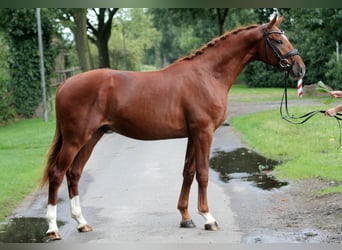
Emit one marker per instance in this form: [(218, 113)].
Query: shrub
[(20, 30), (260, 75), (334, 72)]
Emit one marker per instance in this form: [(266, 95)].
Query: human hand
[(336, 94), (331, 112)]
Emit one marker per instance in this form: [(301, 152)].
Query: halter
[(285, 64)]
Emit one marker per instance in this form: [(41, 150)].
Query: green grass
[(307, 151), (23, 146), (242, 93)]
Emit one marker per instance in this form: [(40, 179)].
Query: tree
[(129, 42), (184, 30), (314, 33), (20, 30), (333, 73), (76, 20), (100, 32), (221, 18)]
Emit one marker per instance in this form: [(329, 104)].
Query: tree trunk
[(101, 33), (102, 46), (81, 39), (221, 18)]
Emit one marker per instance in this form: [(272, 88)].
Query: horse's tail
[(52, 155)]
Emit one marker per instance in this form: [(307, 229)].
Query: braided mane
[(215, 41)]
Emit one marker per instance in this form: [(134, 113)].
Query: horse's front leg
[(188, 177), (202, 152)]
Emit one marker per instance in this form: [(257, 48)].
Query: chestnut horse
[(187, 99)]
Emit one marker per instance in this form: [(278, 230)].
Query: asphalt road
[(130, 188), (129, 193)]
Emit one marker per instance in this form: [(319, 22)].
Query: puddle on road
[(25, 230), (246, 165)]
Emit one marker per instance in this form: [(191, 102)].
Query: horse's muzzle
[(298, 69)]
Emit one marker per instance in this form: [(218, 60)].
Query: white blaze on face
[(76, 212)]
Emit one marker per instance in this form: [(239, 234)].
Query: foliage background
[(147, 39), (20, 31)]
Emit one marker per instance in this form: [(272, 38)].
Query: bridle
[(286, 66), (283, 62)]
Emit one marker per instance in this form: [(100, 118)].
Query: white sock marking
[(76, 211), (207, 217), (51, 217)]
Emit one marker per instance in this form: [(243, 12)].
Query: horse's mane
[(215, 41)]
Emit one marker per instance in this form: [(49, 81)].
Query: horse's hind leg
[(73, 176), (188, 176), (56, 174)]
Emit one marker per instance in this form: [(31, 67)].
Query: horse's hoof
[(85, 228), (212, 226), (52, 236), (187, 224)]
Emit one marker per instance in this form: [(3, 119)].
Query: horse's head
[(276, 50)]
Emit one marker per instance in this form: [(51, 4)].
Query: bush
[(7, 111), (334, 72), (20, 30), (259, 74)]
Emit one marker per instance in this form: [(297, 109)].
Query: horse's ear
[(275, 21), (279, 21), (272, 22)]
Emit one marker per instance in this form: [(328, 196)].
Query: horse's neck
[(229, 58)]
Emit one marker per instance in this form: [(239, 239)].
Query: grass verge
[(307, 151), (23, 146)]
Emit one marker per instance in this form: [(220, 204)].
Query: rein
[(303, 118), (285, 64)]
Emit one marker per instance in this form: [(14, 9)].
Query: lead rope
[(303, 118)]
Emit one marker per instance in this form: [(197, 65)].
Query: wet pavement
[(247, 165), (24, 230)]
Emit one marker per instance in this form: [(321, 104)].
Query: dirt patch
[(311, 210), (291, 214)]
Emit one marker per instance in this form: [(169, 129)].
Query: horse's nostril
[(301, 71)]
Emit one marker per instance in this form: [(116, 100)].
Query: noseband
[(283, 62), (286, 66)]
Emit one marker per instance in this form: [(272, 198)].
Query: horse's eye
[(279, 41)]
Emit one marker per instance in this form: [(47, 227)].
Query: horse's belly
[(150, 130)]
